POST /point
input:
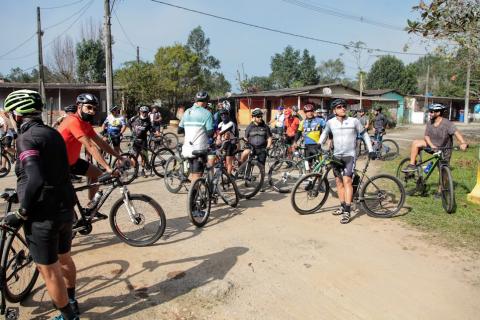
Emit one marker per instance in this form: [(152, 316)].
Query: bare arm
[(104, 146), (269, 142), (429, 142), (89, 144), (123, 129), (459, 136)]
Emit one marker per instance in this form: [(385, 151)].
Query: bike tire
[(159, 159), (447, 189), (8, 166), (411, 181), (245, 181), (317, 191), (390, 150), (284, 174), (227, 189), (174, 176), (145, 237), (382, 191), (170, 140), (199, 200), (16, 256), (131, 173), (360, 148)]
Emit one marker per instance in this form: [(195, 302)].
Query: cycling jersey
[(279, 120), (291, 126), (380, 122), (196, 121), (344, 136), (258, 134), (227, 127), (141, 127), (72, 129), (43, 184), (114, 124), (311, 130)]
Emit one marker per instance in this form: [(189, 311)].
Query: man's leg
[(92, 174), (244, 155), (417, 145)]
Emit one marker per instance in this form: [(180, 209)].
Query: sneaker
[(338, 212), (198, 214), (60, 317), (345, 218), (101, 216), (307, 185), (74, 304), (410, 168)]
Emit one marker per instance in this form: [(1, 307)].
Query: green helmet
[(24, 102)]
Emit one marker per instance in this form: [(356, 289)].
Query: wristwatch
[(22, 213)]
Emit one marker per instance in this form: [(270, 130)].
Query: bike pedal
[(11, 313)]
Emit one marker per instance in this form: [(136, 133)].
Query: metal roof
[(379, 92), (56, 85), (289, 91)]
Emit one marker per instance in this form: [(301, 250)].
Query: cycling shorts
[(289, 140), (8, 141), (80, 167), (198, 164), (139, 145), (261, 153), (230, 149), (47, 239), (311, 150), (346, 169), (115, 140)]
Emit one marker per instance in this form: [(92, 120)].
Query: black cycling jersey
[(140, 128), (43, 184), (257, 135)]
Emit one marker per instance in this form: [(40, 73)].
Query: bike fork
[(128, 204)]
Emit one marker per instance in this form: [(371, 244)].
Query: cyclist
[(310, 129), (197, 124), (156, 118), (296, 114), (69, 110), (279, 121), (291, 125), (379, 124), (438, 133), (114, 126), (141, 127), (7, 132), (365, 122), (77, 131), (344, 130), (46, 198), (225, 134), (259, 136)]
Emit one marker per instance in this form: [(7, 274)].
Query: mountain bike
[(177, 171), (416, 181), (249, 176), (136, 219), (386, 149), (381, 196), (5, 157), (18, 272), (163, 140), (215, 183)]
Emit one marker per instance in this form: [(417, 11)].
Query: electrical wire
[(62, 6), (17, 47), (284, 32), (66, 19), (123, 31)]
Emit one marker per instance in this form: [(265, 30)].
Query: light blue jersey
[(196, 121)]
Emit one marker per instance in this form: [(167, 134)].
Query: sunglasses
[(258, 117), (340, 107), (432, 111), (90, 107)]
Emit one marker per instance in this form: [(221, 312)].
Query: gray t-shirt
[(380, 122), (442, 136)]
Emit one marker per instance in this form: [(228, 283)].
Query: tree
[(90, 61), (331, 70), (285, 67), (389, 72), (63, 59), (217, 85), (308, 71), (18, 75), (140, 82)]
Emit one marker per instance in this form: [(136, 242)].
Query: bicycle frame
[(437, 160)]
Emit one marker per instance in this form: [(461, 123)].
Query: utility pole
[(108, 54), (41, 79), (426, 86), (467, 89), (361, 88), (138, 54)]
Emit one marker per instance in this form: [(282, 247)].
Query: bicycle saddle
[(200, 153), (9, 194)]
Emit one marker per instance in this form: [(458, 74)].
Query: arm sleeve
[(366, 137), (325, 134), (209, 122), (29, 155)]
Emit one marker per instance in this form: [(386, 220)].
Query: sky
[(150, 25)]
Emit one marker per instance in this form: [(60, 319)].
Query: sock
[(67, 312), (343, 205), (71, 293), (347, 207)]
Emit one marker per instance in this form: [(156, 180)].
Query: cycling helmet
[(224, 111), (437, 107), (257, 112), (308, 107), (114, 107), (202, 96), (295, 108), (226, 105), (361, 110), (87, 98), (288, 112), (338, 102), (144, 109), (70, 108), (24, 102), (280, 108)]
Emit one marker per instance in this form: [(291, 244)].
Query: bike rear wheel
[(20, 270), (249, 178), (411, 181), (227, 189), (144, 226), (199, 202), (447, 189), (8, 166), (310, 193), (159, 159), (170, 140), (389, 150), (382, 196), (129, 174), (284, 174), (175, 174)]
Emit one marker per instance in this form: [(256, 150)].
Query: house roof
[(291, 91), (379, 92), (56, 85)]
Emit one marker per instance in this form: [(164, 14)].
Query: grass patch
[(459, 229)]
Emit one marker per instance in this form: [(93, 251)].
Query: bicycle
[(381, 196), (177, 170), (18, 273), (416, 181), (144, 232), (5, 157), (167, 140), (250, 175), (216, 182), (386, 149)]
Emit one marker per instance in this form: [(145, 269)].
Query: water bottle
[(307, 165), (428, 167), (96, 198)]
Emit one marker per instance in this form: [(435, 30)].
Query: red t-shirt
[(291, 126), (73, 128)]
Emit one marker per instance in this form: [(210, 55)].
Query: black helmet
[(87, 98), (224, 111), (70, 108), (257, 112), (144, 109), (338, 102), (114, 107), (24, 102), (437, 107), (202, 96)]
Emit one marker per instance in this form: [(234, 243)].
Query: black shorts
[(8, 141), (346, 168), (80, 167), (139, 145), (311, 150), (115, 140), (230, 149), (289, 140), (197, 165), (47, 239)]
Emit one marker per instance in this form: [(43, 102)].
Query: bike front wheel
[(283, 175), (310, 193), (20, 270), (8, 166), (131, 172), (249, 178), (382, 196), (227, 189), (170, 140), (175, 176), (138, 222), (389, 150), (447, 189), (199, 202), (412, 182), (159, 159)]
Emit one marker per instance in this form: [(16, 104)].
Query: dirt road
[(264, 261)]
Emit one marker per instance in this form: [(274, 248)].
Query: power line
[(337, 13), (19, 46), (66, 19), (285, 32), (123, 31), (62, 6)]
